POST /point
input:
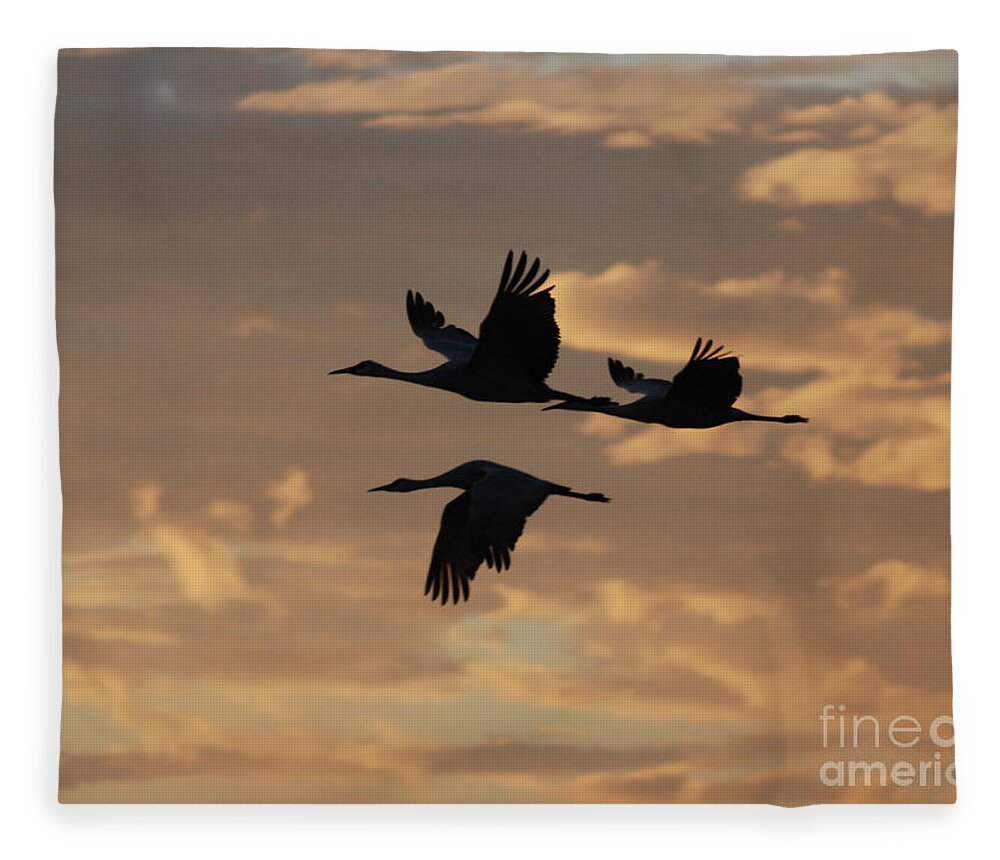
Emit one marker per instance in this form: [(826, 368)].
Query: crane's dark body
[(483, 524), (680, 419), (517, 347), (700, 396)]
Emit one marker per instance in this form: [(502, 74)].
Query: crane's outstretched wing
[(481, 525), (519, 336), (454, 343), (454, 561), (709, 382), (637, 383)]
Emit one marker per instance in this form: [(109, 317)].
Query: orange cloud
[(626, 108), (157, 728), (232, 514), (907, 156), (886, 586), (204, 567), (247, 325), (356, 60), (290, 494)]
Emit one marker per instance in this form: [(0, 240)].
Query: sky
[(244, 623)]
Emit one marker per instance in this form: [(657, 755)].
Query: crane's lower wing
[(454, 343), (519, 336), (454, 560), (481, 525), (710, 382)]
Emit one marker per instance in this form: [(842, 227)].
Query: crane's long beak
[(377, 489), (342, 370)]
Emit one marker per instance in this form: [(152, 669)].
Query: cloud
[(156, 728), (791, 225), (907, 155), (234, 775), (146, 500), (854, 116), (885, 587), (98, 52), (505, 756), (539, 541), (175, 753), (651, 445), (618, 652), (290, 493), (876, 419), (347, 310), (620, 645), (235, 515), (355, 60), (920, 70), (918, 461), (641, 785), (629, 108), (248, 325), (203, 566), (650, 661)]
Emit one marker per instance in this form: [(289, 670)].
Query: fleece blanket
[(505, 428)]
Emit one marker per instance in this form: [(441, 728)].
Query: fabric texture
[(644, 359)]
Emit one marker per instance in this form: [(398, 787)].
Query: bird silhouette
[(516, 350), (701, 395), (483, 524)]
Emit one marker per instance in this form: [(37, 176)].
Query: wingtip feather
[(505, 275)]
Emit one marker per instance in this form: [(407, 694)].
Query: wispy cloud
[(896, 152), (290, 494), (624, 107), (204, 567)]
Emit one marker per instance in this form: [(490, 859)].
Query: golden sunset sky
[(244, 623)]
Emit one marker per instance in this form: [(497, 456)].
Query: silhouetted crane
[(701, 395), (517, 347), (484, 523)]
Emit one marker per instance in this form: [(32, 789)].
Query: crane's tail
[(583, 404), (776, 419), (564, 395)]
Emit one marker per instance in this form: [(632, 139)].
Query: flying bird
[(516, 350), (701, 395), (483, 523)]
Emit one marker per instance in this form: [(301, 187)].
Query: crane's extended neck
[(460, 478), (380, 371)]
